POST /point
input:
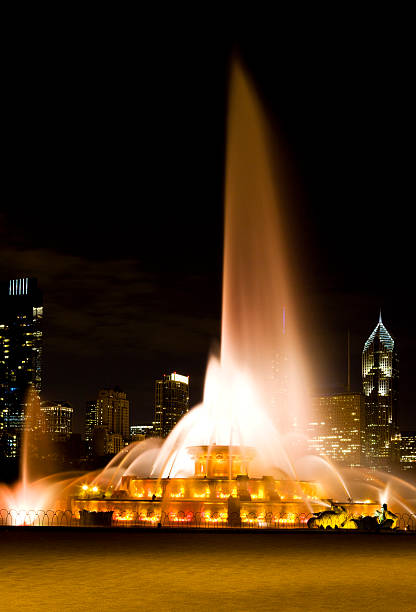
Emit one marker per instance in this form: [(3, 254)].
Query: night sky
[(113, 194)]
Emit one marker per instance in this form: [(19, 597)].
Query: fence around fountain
[(68, 518)]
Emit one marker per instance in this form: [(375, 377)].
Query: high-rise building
[(113, 411), (380, 373), (56, 419), (21, 313), (408, 450), (91, 420), (171, 402), (4, 347), (336, 427)]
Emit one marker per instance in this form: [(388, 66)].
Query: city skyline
[(350, 428), (406, 417), (82, 415)]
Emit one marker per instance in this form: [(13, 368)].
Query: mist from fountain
[(31, 494)]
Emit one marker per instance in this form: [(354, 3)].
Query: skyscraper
[(408, 450), (380, 373), (113, 411), (21, 313), (171, 402), (91, 421), (56, 419)]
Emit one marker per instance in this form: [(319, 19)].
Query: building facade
[(380, 375), (56, 419), (106, 443), (113, 411), (91, 421), (21, 313), (171, 402), (335, 430), (408, 450)]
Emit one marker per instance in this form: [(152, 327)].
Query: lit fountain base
[(219, 492)]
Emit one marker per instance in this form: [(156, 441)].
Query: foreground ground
[(131, 570)]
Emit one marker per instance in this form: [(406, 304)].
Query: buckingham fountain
[(238, 458)]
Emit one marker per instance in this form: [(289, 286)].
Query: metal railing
[(198, 520)]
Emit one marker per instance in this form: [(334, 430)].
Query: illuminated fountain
[(239, 457), (235, 445)]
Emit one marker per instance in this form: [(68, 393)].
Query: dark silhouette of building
[(105, 443), (380, 373), (171, 402)]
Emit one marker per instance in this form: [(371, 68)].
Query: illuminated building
[(107, 422), (57, 419), (336, 427), (21, 314), (8, 445), (380, 375), (91, 421), (171, 402), (113, 411), (408, 450), (140, 432), (3, 375)]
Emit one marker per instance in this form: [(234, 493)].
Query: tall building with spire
[(380, 374)]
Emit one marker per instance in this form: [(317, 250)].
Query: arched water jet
[(329, 467)]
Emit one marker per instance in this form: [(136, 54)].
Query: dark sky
[(113, 172)]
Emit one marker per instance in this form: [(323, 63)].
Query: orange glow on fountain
[(220, 488), (220, 461)]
